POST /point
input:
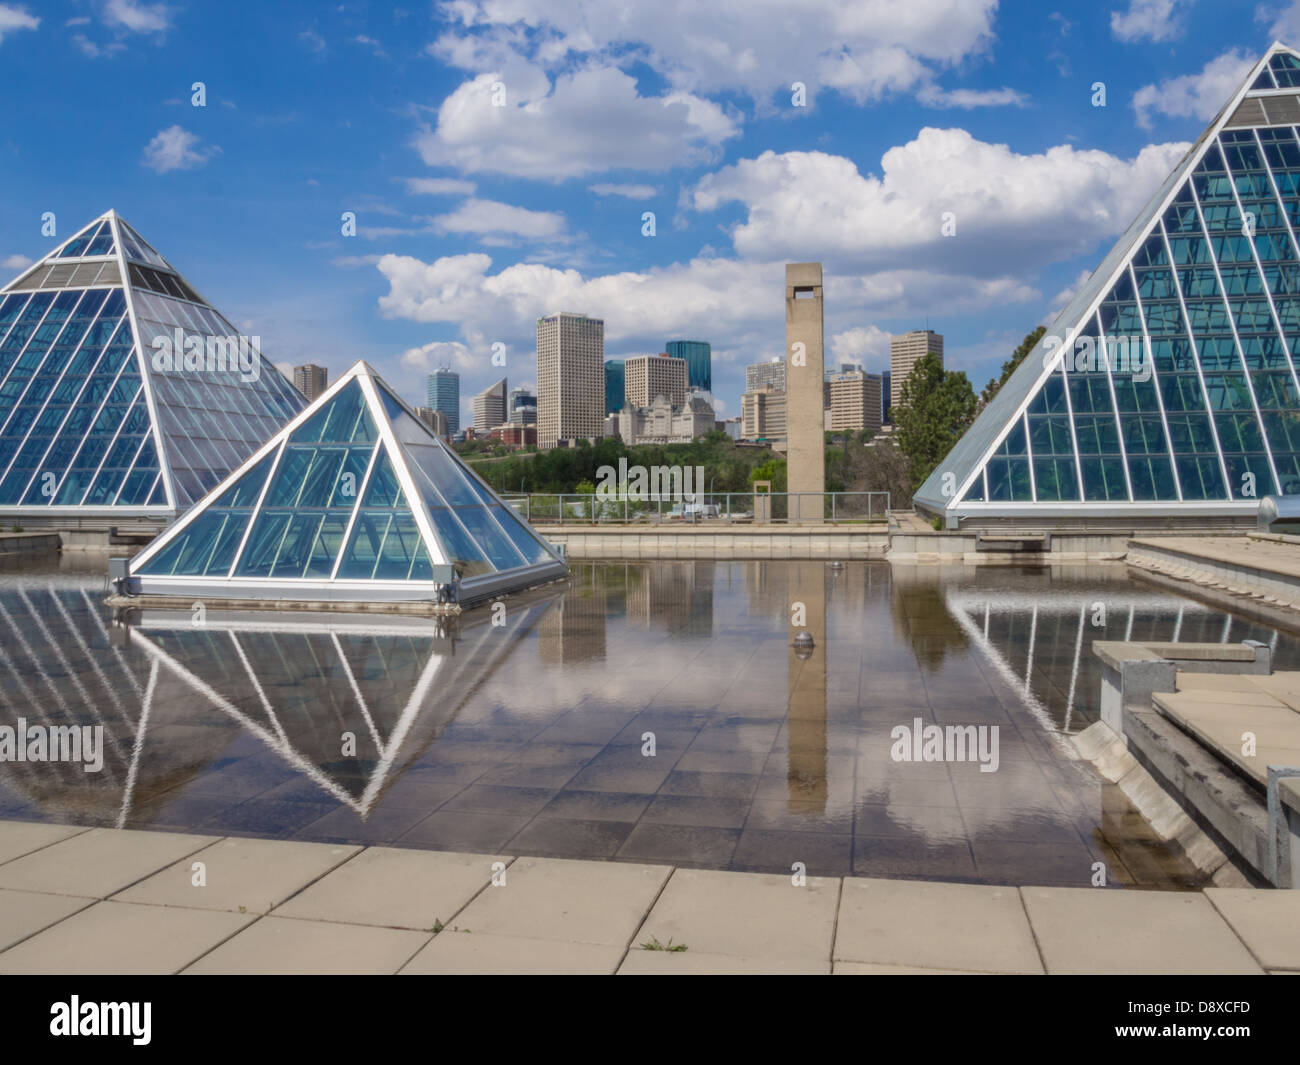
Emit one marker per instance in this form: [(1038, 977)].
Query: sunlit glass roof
[(1168, 384), (354, 500), (122, 391)]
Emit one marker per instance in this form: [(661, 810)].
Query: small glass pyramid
[(354, 500), (93, 420)]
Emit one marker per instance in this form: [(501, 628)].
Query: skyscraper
[(699, 362), (570, 378), (490, 406), (615, 384), (905, 351), (855, 401), (444, 396), (765, 375), (1166, 387), (311, 380), (523, 407), (647, 376)]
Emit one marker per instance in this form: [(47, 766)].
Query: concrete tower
[(806, 453)]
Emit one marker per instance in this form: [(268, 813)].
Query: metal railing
[(706, 508)]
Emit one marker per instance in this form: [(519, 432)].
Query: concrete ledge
[(13, 543)]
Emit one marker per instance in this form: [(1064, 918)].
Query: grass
[(672, 948)]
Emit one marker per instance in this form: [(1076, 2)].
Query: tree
[(1008, 368), (935, 407)]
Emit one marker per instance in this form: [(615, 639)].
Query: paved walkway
[(76, 900)]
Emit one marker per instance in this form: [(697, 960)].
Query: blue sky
[(474, 218)]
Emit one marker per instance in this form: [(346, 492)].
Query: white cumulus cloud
[(175, 148), (15, 18), (1198, 95), (1148, 20), (489, 216)]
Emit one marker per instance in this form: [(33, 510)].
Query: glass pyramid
[(353, 500), (1168, 385), (96, 415)]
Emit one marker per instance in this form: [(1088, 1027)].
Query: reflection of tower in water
[(573, 629), (676, 595), (806, 766)]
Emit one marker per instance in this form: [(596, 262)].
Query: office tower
[(523, 407), (647, 376), (804, 361), (311, 380), (763, 415), (905, 351), (699, 362), (490, 406), (765, 375), (1165, 389), (855, 401), (570, 378), (614, 386), (444, 395), (434, 419)]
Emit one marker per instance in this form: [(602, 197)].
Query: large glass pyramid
[(354, 500), (96, 416), (1168, 385)]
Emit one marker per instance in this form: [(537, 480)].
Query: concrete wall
[(804, 363)]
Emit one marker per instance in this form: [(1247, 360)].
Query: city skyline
[(463, 238)]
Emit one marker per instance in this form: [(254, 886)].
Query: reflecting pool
[(649, 712)]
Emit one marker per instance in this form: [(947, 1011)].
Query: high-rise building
[(762, 415), (311, 380), (570, 378), (1166, 387), (523, 407), (615, 386), (434, 419), (765, 375), (444, 395), (117, 379), (490, 406), (905, 351), (855, 401), (699, 362), (648, 376)]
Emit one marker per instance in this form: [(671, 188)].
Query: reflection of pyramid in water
[(354, 500), (87, 424), (1206, 283)]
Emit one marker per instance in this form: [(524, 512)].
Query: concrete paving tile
[(244, 875), (687, 845), (122, 939), (22, 837), (394, 888), (23, 913), (100, 862), (1268, 922), (693, 963), (721, 913), (551, 898), (858, 968), (470, 953), (281, 946), (935, 926), (1091, 930)]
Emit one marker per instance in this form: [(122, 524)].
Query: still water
[(643, 712)]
